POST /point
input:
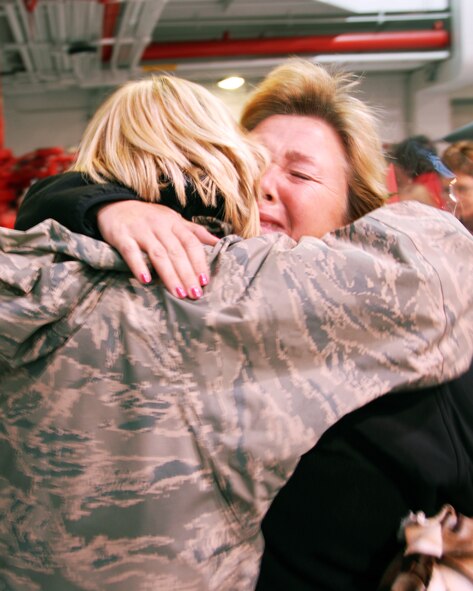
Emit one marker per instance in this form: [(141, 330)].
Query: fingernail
[(203, 279), (181, 293), (196, 292), (145, 277)]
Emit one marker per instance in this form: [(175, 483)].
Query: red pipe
[(110, 17), (343, 43), (30, 5), (2, 120)]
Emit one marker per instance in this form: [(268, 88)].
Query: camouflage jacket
[(142, 437)]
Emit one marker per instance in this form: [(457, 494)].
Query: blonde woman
[(172, 142), (299, 90)]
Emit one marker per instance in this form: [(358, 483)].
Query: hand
[(174, 245)]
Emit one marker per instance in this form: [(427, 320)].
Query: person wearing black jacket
[(334, 525), (72, 199)]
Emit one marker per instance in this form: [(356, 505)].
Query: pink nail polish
[(181, 293), (203, 279), (145, 277), (196, 292)]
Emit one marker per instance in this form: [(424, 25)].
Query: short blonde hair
[(166, 129), (300, 87)]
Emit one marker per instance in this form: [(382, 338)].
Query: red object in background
[(30, 5), (17, 174), (7, 194), (110, 17), (7, 161), (432, 182), (343, 43), (7, 217)]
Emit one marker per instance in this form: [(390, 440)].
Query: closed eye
[(300, 175)]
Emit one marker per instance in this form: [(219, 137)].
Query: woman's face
[(463, 188), (304, 190)]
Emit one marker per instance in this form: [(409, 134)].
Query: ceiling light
[(231, 83)]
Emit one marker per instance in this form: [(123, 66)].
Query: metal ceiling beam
[(387, 5), (136, 25), (210, 71), (129, 15), (145, 29), (310, 20), (226, 3), (146, 33), (359, 62), (19, 37)]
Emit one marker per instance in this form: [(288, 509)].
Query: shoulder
[(63, 181)]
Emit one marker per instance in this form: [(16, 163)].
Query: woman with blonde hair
[(164, 131), (302, 88), (171, 142)]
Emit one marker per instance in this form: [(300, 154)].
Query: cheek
[(295, 203), (305, 216), (468, 197), (288, 198), (467, 207)]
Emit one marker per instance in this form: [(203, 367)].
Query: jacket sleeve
[(73, 200), (70, 200), (50, 279)]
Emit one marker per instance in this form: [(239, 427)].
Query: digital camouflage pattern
[(142, 437)]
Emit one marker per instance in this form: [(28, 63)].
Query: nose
[(269, 184)]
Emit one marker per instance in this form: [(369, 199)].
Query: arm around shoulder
[(71, 200)]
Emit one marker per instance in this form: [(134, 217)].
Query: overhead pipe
[(342, 43), (2, 120), (110, 17), (30, 5)]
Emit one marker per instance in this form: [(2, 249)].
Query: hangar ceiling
[(49, 44)]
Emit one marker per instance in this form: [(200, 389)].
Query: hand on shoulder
[(173, 245)]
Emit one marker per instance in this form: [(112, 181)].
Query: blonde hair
[(165, 129), (300, 87)]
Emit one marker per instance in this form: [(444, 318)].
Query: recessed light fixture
[(231, 83)]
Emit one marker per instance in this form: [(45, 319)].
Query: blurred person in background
[(419, 172), (459, 159)]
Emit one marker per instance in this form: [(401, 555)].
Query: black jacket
[(72, 200), (334, 525)]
